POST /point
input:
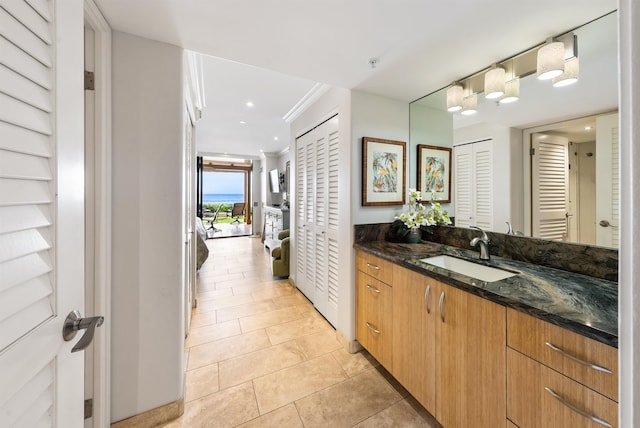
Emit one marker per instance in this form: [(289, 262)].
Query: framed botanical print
[(383, 171), (434, 172)]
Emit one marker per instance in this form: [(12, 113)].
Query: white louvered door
[(317, 211), (41, 211), (608, 181), (550, 187), (473, 184)]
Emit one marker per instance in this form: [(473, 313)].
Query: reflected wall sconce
[(494, 84), (570, 75), (454, 97), (550, 60), (469, 105)]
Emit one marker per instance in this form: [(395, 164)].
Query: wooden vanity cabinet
[(414, 334), (374, 308), (449, 348), (471, 361), (558, 378)]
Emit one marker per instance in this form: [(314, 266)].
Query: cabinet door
[(374, 302), (543, 398), (414, 334), (471, 381)]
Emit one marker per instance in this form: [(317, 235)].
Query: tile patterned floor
[(260, 355)]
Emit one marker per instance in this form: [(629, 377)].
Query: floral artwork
[(385, 172), (434, 172)]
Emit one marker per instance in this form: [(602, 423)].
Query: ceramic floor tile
[(285, 386), (294, 300), (354, 364), (230, 347), (284, 417), (250, 366), (209, 333), (223, 302), (271, 318), (277, 291), (318, 344), (405, 413), (348, 402), (299, 328), (201, 382), (245, 310), (204, 295), (224, 409), (234, 282), (203, 319)]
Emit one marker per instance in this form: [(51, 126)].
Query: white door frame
[(102, 221)]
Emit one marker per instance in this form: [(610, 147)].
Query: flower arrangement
[(418, 215)]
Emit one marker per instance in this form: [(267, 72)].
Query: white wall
[(147, 291), (379, 117)]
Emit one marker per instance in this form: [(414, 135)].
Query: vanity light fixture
[(570, 75), (511, 91), (550, 62), (469, 105), (454, 98), (494, 85)]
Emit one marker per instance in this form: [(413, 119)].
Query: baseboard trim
[(351, 346), (154, 417)]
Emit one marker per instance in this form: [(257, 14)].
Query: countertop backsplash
[(597, 262)]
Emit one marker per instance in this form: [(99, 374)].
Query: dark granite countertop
[(579, 303)]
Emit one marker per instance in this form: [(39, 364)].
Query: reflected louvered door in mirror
[(473, 184), (41, 212)]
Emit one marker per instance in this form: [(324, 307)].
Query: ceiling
[(273, 53)]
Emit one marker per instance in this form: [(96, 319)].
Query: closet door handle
[(578, 360), (577, 410), (427, 293), (442, 306)]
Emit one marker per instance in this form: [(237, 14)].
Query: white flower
[(418, 215)]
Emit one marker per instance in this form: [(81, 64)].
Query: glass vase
[(414, 236)]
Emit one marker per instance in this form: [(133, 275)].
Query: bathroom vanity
[(537, 349)]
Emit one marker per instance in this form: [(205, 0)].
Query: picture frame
[(434, 172), (383, 171)]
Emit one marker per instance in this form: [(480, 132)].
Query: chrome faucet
[(484, 244)]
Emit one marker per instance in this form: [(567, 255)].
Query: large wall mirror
[(572, 197)]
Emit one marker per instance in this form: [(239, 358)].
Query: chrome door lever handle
[(73, 323)]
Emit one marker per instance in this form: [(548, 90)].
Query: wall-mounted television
[(274, 181)]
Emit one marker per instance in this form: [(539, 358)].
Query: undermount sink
[(473, 270)]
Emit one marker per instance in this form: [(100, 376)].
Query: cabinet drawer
[(567, 352), (374, 306), (374, 266), (531, 402)]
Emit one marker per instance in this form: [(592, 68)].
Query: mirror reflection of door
[(574, 181)]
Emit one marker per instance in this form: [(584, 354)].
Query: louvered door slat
[(320, 197), (25, 242), (23, 269), (13, 219), (463, 185), (24, 38), (334, 181), (21, 140), (22, 192), (22, 166), (17, 298), (483, 187), (26, 14), (24, 115), (24, 64), (42, 7), (15, 85), (333, 279), (615, 187), (21, 323), (38, 385)]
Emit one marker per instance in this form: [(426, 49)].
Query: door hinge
[(88, 408), (532, 151), (89, 81)]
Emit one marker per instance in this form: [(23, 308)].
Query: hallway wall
[(147, 294)]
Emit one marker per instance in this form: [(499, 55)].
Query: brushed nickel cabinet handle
[(577, 410), (372, 328), (578, 360), (442, 306), (374, 289), (369, 265), (427, 293)]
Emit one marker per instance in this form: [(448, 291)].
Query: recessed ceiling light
[(587, 128), (242, 122), (249, 104), (275, 138)]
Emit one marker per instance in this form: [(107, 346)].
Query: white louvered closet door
[(473, 184), (318, 163), (41, 211), (550, 186), (608, 181)]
